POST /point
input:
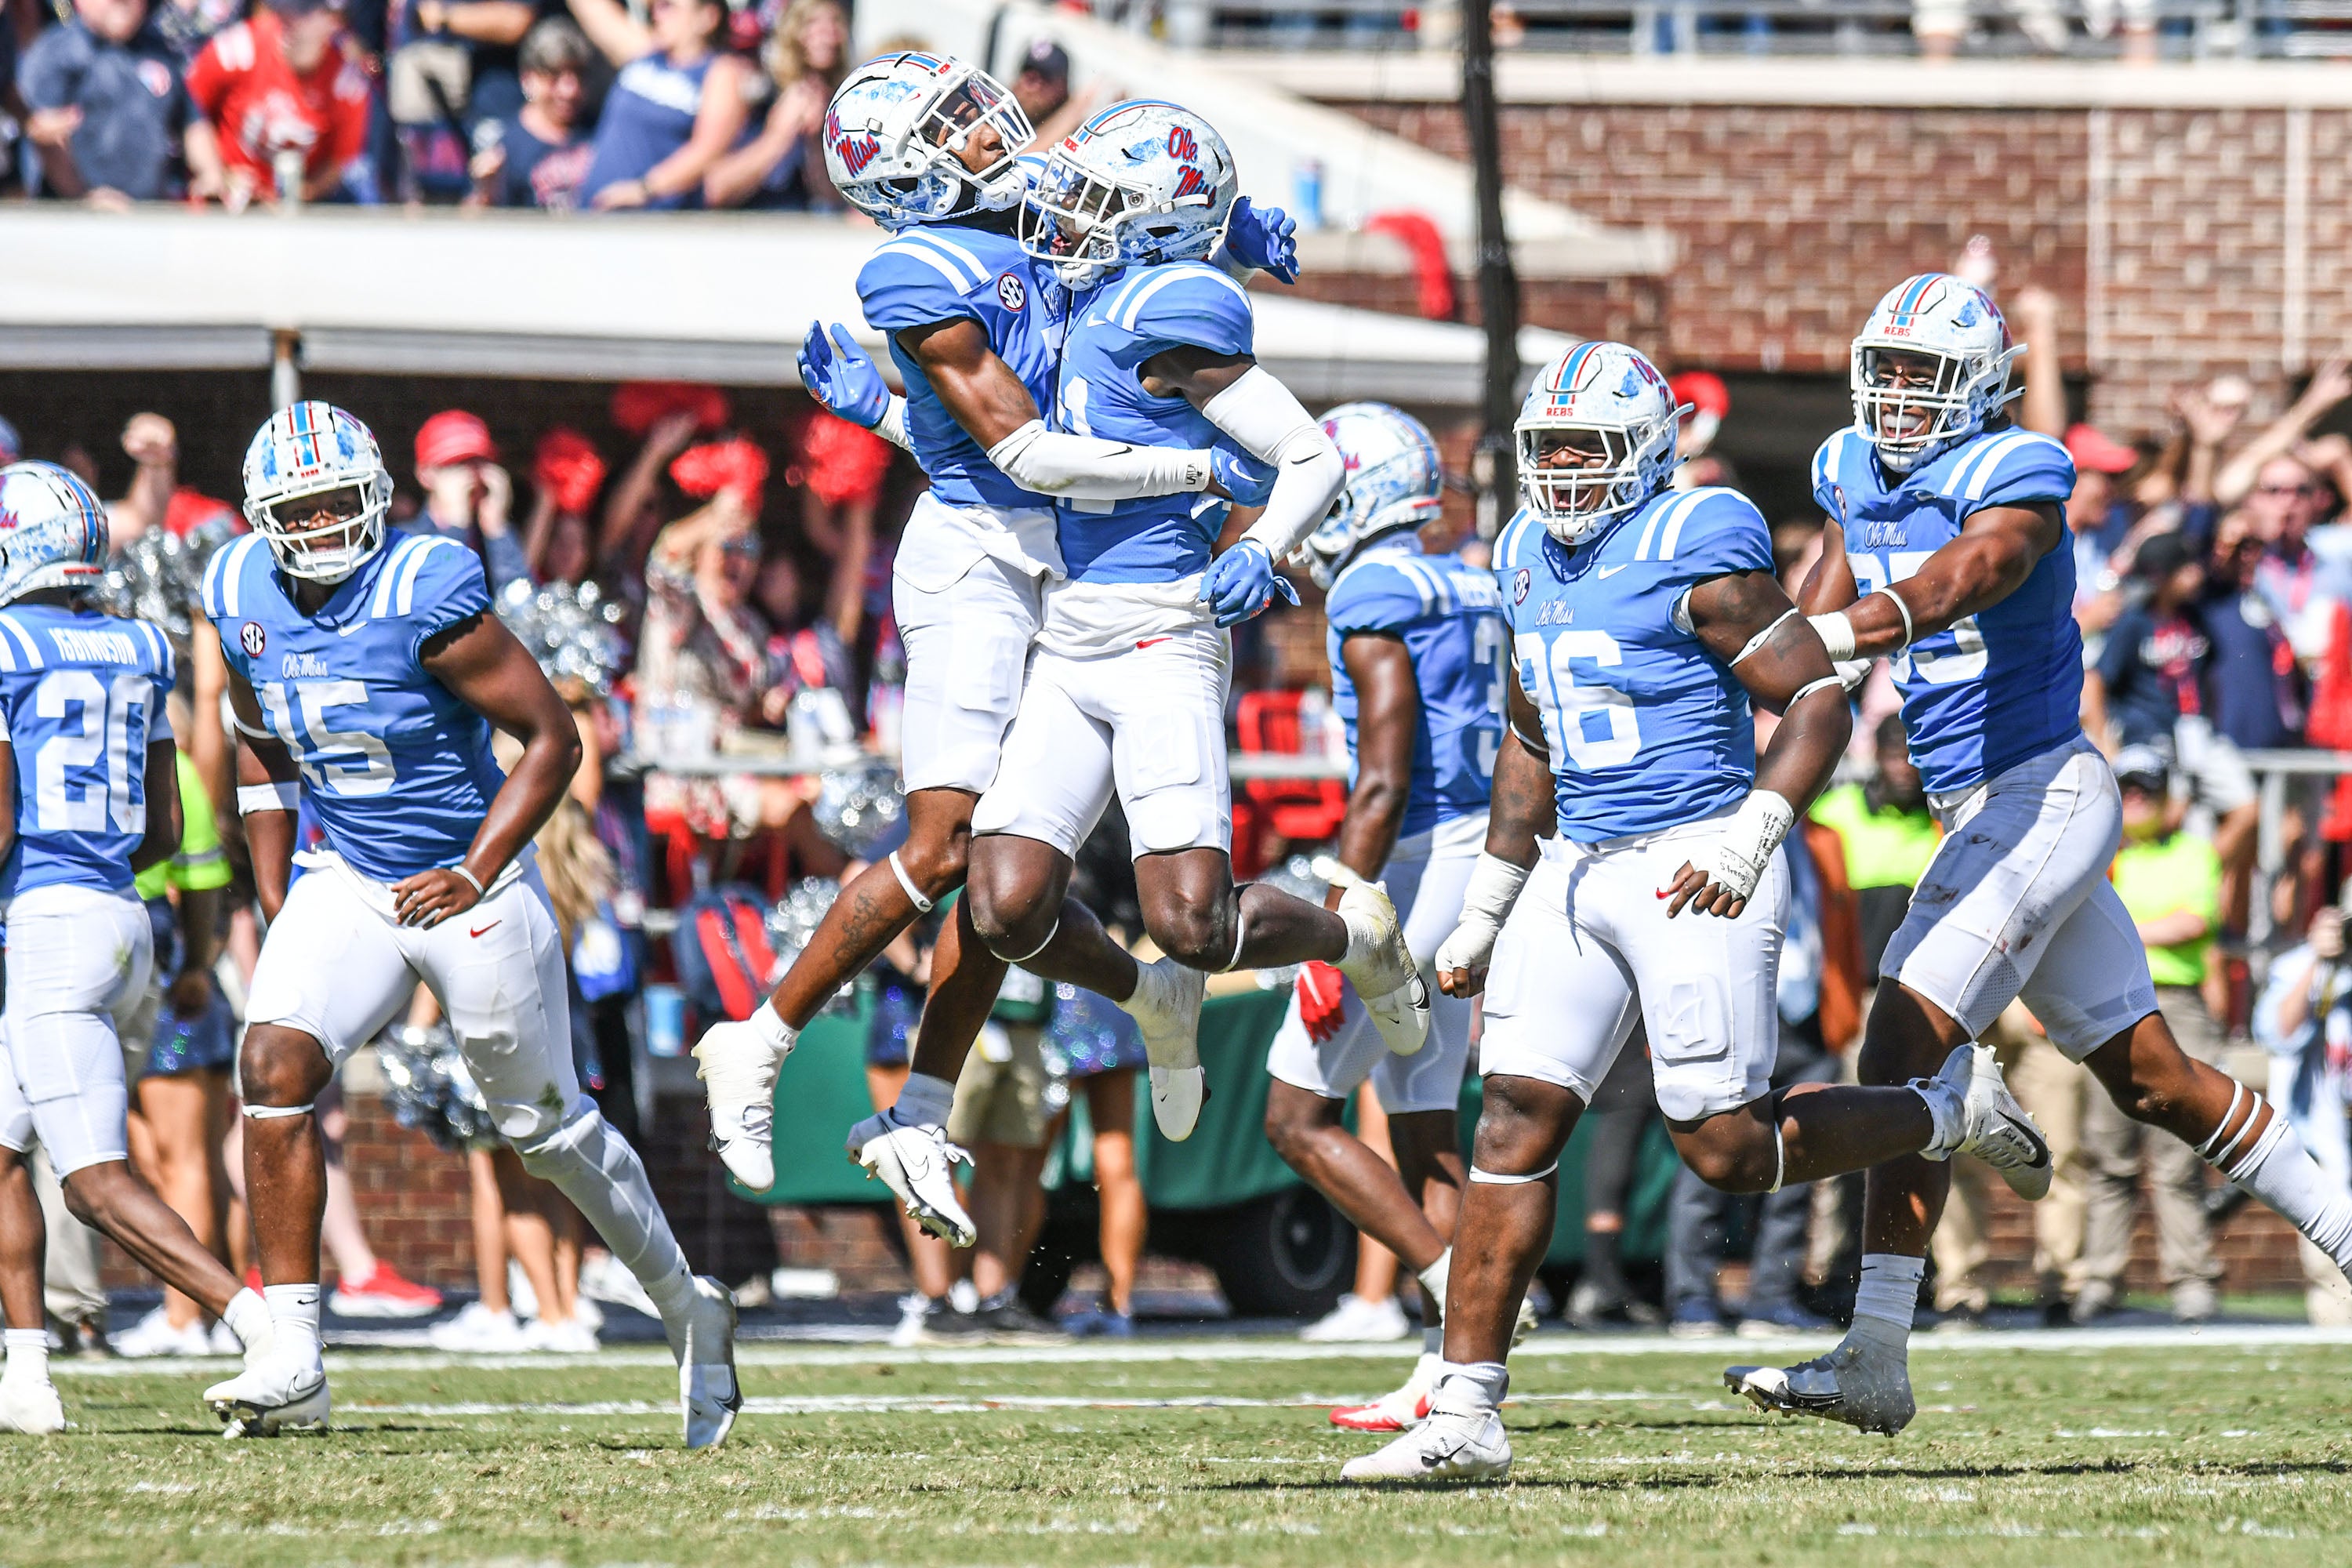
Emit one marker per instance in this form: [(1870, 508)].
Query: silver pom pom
[(156, 578), (432, 1091), (859, 807), (573, 632)]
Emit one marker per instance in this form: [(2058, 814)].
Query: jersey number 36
[(1593, 726)]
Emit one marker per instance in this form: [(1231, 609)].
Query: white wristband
[(892, 425), (261, 797), (1904, 609), (1493, 886), (1749, 841), (460, 869), (1836, 633)]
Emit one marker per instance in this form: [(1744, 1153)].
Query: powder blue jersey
[(81, 695), (1450, 619), (948, 273), (2001, 685), (1134, 315), (397, 767), (1647, 729)]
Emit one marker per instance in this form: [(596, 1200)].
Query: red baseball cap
[(1703, 390), (2095, 451), (454, 435)]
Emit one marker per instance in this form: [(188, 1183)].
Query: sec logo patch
[(252, 640), (1011, 292), (1520, 586)]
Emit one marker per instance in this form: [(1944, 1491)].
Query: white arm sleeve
[(892, 425), (1259, 412), (1086, 468)]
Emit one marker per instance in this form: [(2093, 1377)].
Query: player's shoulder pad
[(430, 580), (155, 649), (230, 577), (1183, 302), (1828, 468), (923, 274), (1387, 590), (2008, 468), (1520, 543), (1703, 533)]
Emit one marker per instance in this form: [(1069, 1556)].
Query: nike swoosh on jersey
[(1612, 571)]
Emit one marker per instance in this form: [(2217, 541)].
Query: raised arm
[(1996, 550), (619, 36), (2330, 385), (1744, 619)]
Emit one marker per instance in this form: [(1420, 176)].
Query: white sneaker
[(1990, 1124), (1381, 968), (478, 1331), (153, 1335), (571, 1338), (30, 1407), (1453, 1445), (520, 1297), (917, 1162), (703, 1340), (223, 1340), (1864, 1383), (587, 1313), (278, 1395), (604, 1277), (1166, 1008), (1358, 1322), (1400, 1411), (738, 1065), (914, 1310)]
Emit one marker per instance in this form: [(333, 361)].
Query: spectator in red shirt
[(286, 80)]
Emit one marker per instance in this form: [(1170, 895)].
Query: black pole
[(1499, 281)]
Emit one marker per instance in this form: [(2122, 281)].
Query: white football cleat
[(738, 1064), (274, 1395), (703, 1341), (30, 1407), (1166, 1008), (1381, 969), (1990, 1125), (918, 1163), (478, 1329), (153, 1335), (1863, 1383), (1452, 1444), (1400, 1411)]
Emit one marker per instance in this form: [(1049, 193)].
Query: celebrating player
[(368, 678), (1127, 688), (1948, 552), (926, 145), (1417, 671), (1645, 622), (81, 699)]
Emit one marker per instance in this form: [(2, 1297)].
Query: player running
[(926, 145), (1947, 552), (97, 800), (1645, 623), (366, 678), (1127, 688), (1417, 668)]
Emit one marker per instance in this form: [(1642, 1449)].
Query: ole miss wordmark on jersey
[(947, 272), (1450, 620), (397, 768), (2001, 685), (1648, 730), (81, 694), (1134, 315)]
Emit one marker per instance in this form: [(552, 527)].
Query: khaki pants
[(2115, 1148), (2053, 1090)]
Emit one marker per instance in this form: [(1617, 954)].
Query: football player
[(87, 752), (1126, 687), (1947, 553), (1631, 870), (1417, 648), (365, 678), (926, 145)]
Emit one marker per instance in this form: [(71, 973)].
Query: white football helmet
[(313, 458), (1141, 183), (1958, 333), (896, 131), (1596, 438), (1394, 480), (52, 531)]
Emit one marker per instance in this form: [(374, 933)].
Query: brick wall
[(2182, 242)]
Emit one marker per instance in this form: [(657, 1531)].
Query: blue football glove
[(1243, 582), (842, 376), (1249, 482), (1267, 240)]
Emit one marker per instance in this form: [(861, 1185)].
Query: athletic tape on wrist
[(914, 894), (1496, 1179), (253, 798)]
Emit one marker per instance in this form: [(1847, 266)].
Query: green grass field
[(2210, 1452)]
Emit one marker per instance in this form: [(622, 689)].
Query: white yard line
[(939, 1404), (1180, 1348)]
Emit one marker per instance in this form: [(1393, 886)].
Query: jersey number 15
[(340, 762)]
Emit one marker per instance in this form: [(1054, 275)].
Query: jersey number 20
[(64, 763)]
